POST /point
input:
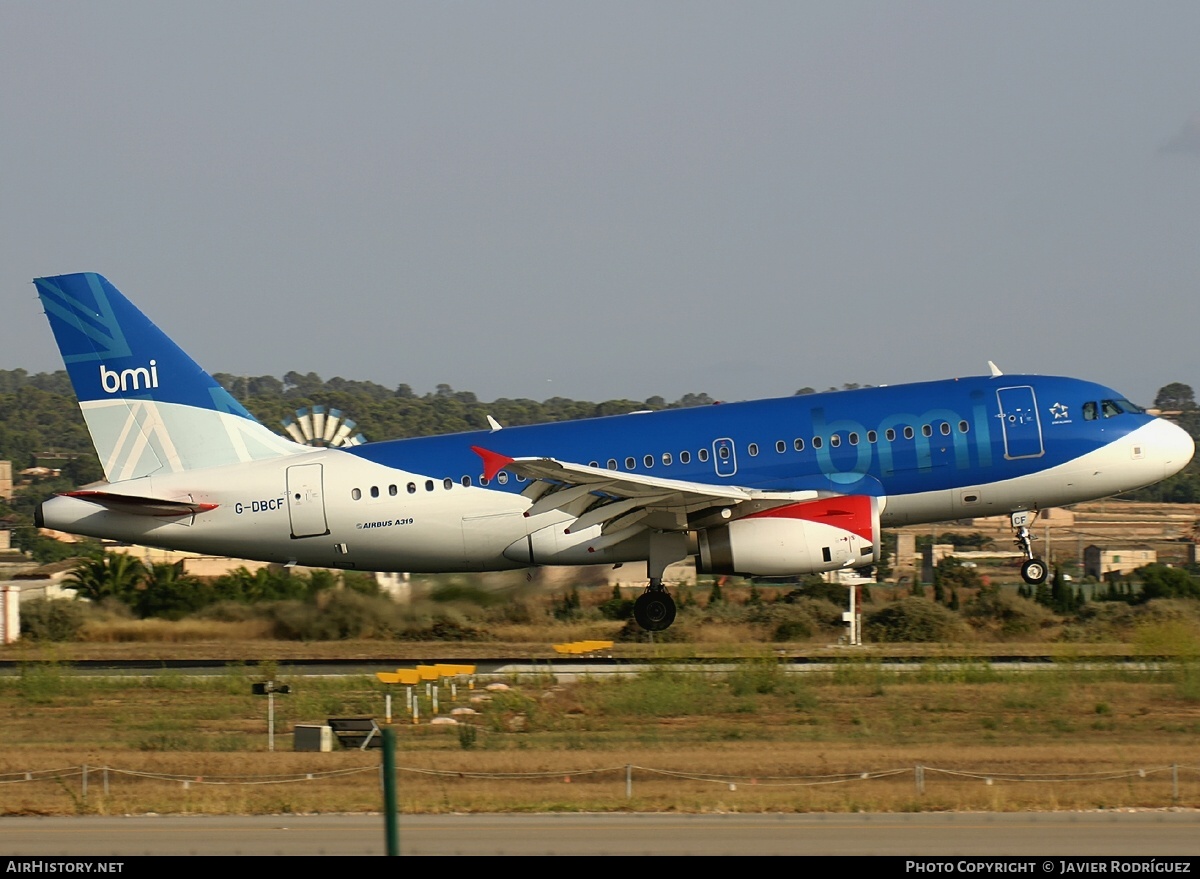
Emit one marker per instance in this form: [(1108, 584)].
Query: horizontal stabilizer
[(140, 506)]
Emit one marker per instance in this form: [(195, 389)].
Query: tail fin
[(148, 406)]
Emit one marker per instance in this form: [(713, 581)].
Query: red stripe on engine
[(850, 513)]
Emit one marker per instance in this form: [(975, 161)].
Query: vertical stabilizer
[(148, 406)]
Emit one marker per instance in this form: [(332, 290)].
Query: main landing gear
[(1033, 571), (654, 609)]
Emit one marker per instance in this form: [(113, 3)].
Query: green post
[(390, 810)]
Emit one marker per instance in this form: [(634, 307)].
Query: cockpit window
[(1109, 409), (1112, 408)]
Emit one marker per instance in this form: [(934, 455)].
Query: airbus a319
[(775, 487)]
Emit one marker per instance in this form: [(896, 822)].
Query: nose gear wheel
[(1034, 570)]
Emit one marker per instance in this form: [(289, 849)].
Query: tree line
[(40, 419)]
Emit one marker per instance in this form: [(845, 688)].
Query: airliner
[(774, 487)]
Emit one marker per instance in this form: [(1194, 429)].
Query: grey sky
[(606, 199)]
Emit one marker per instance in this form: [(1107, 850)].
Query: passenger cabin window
[(374, 491), (798, 445), (781, 447), (685, 457), (630, 463), (355, 494), (752, 449), (648, 461), (502, 478), (702, 455)]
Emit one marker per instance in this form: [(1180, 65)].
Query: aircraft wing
[(621, 501)]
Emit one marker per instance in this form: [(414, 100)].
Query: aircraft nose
[(1172, 445)]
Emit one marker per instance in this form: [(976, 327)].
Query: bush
[(364, 584), (799, 618), (914, 620), (1005, 614), (44, 619), (814, 586), (451, 589), (341, 616), (513, 611), (1117, 621), (632, 633), (444, 628), (617, 609), (230, 612), (1161, 581)]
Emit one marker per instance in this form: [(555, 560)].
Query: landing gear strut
[(654, 609), (1033, 571)]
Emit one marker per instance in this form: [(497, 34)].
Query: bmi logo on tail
[(129, 379)]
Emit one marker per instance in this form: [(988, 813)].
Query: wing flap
[(607, 512), (557, 499)]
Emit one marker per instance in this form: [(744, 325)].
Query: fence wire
[(919, 773)]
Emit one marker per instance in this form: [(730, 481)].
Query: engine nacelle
[(803, 538)]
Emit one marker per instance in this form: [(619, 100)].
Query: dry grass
[(171, 632), (538, 633), (755, 739)]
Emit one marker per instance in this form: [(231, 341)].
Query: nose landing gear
[(1034, 570)]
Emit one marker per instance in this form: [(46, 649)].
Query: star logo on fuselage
[(1059, 411)]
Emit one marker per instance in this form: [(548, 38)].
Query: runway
[(1032, 836)]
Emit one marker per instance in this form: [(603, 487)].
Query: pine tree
[(1060, 597)]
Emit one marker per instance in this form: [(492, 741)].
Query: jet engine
[(803, 538)]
